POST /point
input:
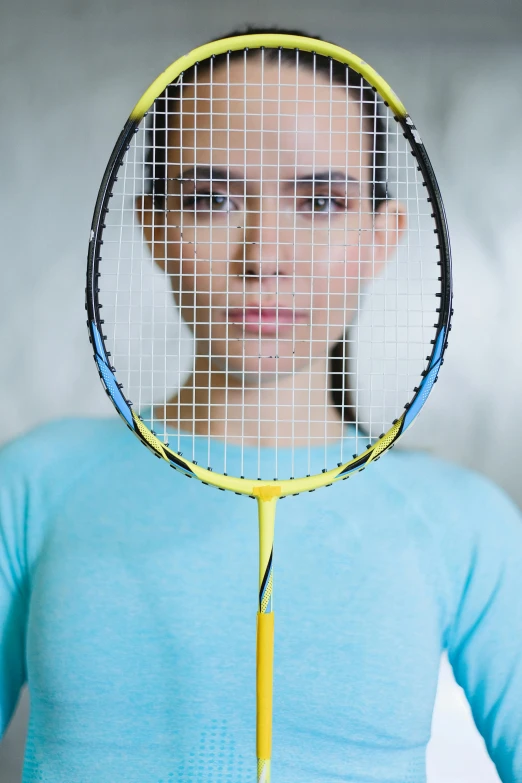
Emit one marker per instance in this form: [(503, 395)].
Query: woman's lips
[(265, 320)]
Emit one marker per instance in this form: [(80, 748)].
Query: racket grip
[(264, 680)]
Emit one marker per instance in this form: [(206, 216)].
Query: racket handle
[(265, 669)]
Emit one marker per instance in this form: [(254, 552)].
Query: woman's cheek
[(342, 277)]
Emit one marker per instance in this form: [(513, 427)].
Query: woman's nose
[(268, 249)]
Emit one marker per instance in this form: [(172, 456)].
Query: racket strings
[(269, 268)]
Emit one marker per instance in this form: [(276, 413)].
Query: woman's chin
[(256, 371)]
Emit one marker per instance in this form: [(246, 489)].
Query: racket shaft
[(265, 669), (267, 499)]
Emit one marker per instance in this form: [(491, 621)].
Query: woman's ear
[(153, 227), (389, 225)]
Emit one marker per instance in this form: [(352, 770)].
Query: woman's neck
[(291, 410)]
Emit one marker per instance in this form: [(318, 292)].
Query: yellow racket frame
[(269, 41)]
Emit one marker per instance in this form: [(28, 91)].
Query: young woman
[(126, 605)]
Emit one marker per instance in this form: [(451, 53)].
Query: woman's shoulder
[(60, 442), (468, 528), (442, 485), (36, 469), (39, 466), (464, 509)]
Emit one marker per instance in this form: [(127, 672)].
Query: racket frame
[(246, 486)]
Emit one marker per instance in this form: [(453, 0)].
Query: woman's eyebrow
[(328, 175), (209, 173)]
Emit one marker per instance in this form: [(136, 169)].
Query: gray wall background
[(70, 72)]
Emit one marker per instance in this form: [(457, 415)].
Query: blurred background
[(72, 70)]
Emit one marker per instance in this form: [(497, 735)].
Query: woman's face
[(269, 232)]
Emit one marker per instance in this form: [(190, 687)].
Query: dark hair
[(339, 73)]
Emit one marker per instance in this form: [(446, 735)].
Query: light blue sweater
[(128, 603)]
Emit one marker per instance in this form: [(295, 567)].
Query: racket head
[(433, 221)]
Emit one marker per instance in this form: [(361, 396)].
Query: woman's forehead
[(276, 112)]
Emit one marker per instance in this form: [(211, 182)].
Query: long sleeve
[(36, 471), (485, 638), (13, 583)]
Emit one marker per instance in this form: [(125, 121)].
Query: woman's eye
[(322, 204), (212, 202), (220, 202)]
